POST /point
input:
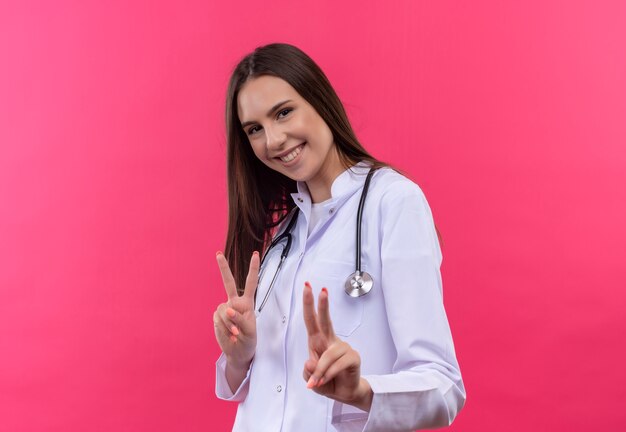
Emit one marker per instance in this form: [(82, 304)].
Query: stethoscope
[(358, 283)]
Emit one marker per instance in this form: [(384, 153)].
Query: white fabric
[(400, 328), (317, 211)]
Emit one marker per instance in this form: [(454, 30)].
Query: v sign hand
[(333, 368), (235, 321)]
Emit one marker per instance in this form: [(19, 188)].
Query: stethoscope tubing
[(358, 279), (285, 234), (359, 220)]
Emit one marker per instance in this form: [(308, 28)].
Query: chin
[(301, 174)]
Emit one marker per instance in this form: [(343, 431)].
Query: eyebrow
[(269, 113)]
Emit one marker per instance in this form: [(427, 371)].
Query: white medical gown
[(400, 328)]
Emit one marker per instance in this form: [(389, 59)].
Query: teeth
[(291, 156)]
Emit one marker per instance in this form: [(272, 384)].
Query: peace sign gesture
[(333, 368), (235, 321)]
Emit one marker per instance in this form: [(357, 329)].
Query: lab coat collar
[(343, 187)]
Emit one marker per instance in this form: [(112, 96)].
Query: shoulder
[(390, 187), (404, 215)]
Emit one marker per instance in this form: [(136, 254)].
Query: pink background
[(510, 115)]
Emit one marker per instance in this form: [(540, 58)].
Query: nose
[(275, 138)]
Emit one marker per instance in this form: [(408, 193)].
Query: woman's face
[(285, 131)]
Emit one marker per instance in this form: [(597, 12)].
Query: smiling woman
[(291, 137), (374, 359)]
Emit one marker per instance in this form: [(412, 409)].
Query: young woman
[(336, 225)]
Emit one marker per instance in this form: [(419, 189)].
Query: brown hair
[(258, 197)]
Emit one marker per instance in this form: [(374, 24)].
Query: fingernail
[(233, 339), (325, 290), (255, 253), (310, 383), (234, 330), (230, 312), (218, 253), (307, 284)]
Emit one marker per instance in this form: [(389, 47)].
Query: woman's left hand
[(333, 368)]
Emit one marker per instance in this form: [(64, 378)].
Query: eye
[(283, 112), (253, 130)]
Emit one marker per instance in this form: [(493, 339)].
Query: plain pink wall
[(510, 115)]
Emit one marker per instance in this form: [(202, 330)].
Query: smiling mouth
[(292, 155)]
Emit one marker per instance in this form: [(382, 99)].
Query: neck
[(320, 186)]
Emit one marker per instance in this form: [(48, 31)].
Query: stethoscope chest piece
[(358, 284)]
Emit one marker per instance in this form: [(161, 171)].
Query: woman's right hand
[(235, 320)]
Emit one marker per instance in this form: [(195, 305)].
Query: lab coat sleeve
[(425, 389), (222, 389)]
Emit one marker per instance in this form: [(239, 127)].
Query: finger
[(225, 323), (234, 320), (228, 315), (230, 318), (222, 333), (253, 275), (309, 367), (310, 319), (227, 276), (346, 361), (323, 314), (330, 356)]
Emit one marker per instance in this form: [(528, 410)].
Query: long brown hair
[(258, 197)]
